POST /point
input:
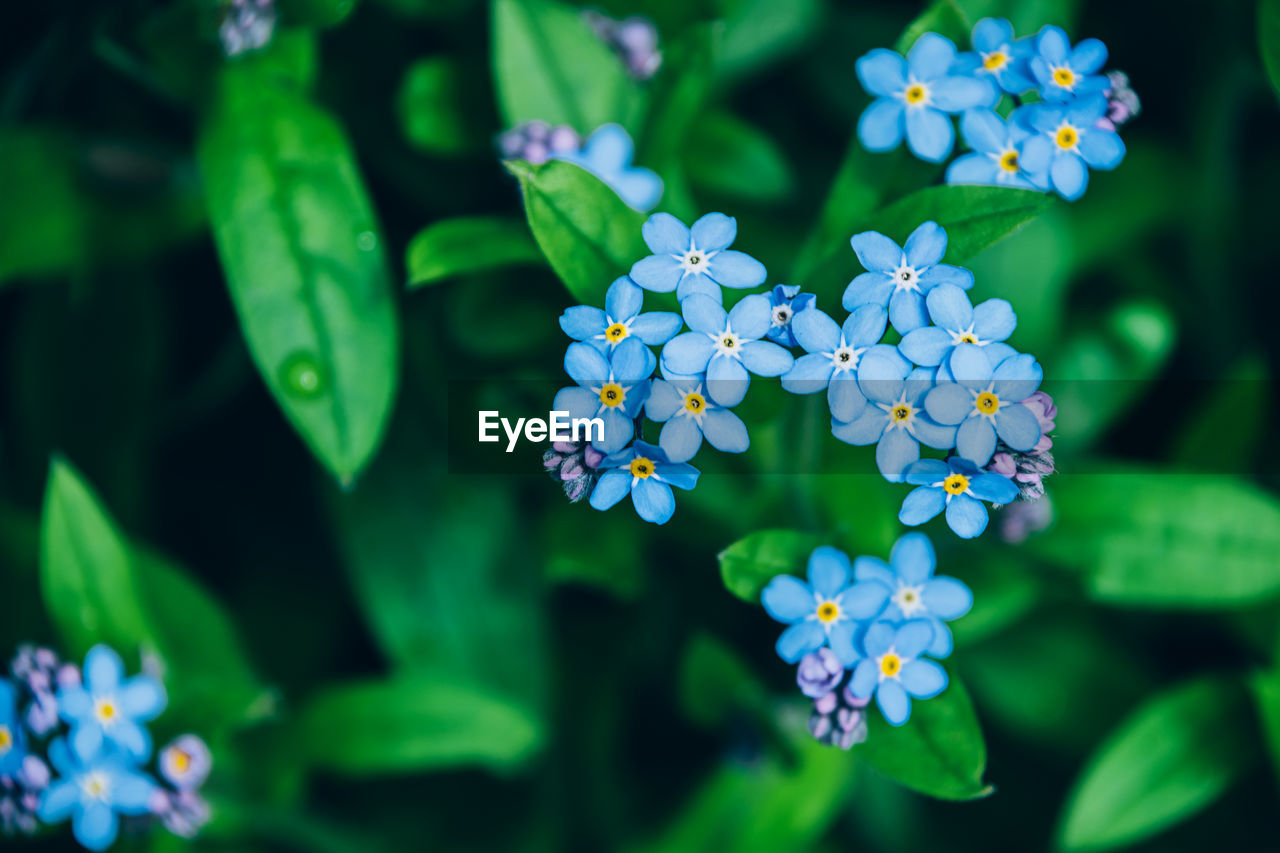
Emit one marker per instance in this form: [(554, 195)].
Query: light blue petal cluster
[(1068, 142), (787, 301), (898, 278), (646, 474), (612, 388), (608, 154), (620, 319), (957, 486), (695, 260)]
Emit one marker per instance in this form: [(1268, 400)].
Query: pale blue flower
[(695, 260), (1065, 73), (607, 154), (893, 670), (687, 415), (94, 790), (898, 278), (914, 592), (996, 159), (986, 401), (998, 55), (110, 709), (955, 322), (612, 389), (787, 301), (620, 319), (834, 353), (957, 486), (644, 472), (1069, 142)]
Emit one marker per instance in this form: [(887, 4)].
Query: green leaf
[(944, 17), (414, 724), (305, 264), (749, 564), (1162, 539), (316, 13), (86, 576), (454, 247), (588, 234), (1265, 687), (714, 682), (1174, 756), (939, 751), (758, 32), (1242, 391), (550, 66), (1269, 39), (435, 106), (726, 155), (974, 217)]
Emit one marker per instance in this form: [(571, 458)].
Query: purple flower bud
[(537, 130), (536, 153), (573, 464), (1122, 102), (1003, 464), (511, 144), (1041, 405), (853, 701), (819, 673), (566, 447), (563, 140), (826, 703), (839, 719), (247, 25), (186, 762), (68, 675), (1020, 519), (592, 457)]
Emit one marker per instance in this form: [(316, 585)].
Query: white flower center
[(906, 277), (695, 260), (900, 413), (781, 315), (727, 343), (910, 599), (96, 785), (966, 336), (846, 357)]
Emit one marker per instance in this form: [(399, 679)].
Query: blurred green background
[(390, 648)]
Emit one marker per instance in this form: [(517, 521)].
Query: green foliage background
[(243, 306)]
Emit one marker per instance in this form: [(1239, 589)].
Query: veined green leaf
[(588, 234), (1175, 755), (414, 724), (939, 751), (305, 264), (974, 217), (464, 245), (748, 565)]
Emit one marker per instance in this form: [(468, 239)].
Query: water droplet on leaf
[(367, 241), (303, 375)]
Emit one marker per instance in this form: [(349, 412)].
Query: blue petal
[(704, 314), (894, 453), (86, 741), (736, 269), (995, 488), (131, 792), (665, 235), (623, 299), (658, 273), (921, 505), (947, 598), (880, 126), (809, 375), (829, 571), (927, 345), (751, 317), (680, 439), (103, 668), (639, 188), (991, 33), (653, 500), (678, 474), (1053, 45), (966, 516), (727, 381), (893, 701), (612, 487), (974, 168), (582, 322), (95, 825), (984, 130), (942, 643), (131, 739), (865, 676), (1017, 378), (881, 373), (913, 637), (926, 472), (907, 311), (866, 429), (788, 599), (948, 403), (994, 320), (941, 274), (913, 557), (608, 149), (869, 288), (931, 56), (1101, 149), (876, 252), (725, 431), (865, 326), (1070, 177), (933, 434), (815, 331), (923, 679), (956, 93), (577, 401), (949, 307), (1088, 56), (879, 639), (632, 361), (688, 354), (58, 801), (843, 397), (971, 367), (882, 72), (714, 232), (656, 327), (840, 639), (874, 569), (976, 440), (926, 245), (800, 639), (1017, 426), (698, 284), (930, 135), (618, 430), (864, 600), (665, 399), (765, 358)]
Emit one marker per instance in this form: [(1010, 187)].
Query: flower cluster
[(89, 726), (871, 626), (634, 39), (247, 25), (607, 153), (1050, 143)]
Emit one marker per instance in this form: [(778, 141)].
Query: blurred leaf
[(305, 265), (1172, 757), (748, 565), (758, 32), (550, 66), (1003, 593), (1160, 539), (714, 682), (1242, 391), (939, 751), (1265, 687), (726, 155), (1269, 39), (436, 107), (413, 724), (316, 13), (1102, 372), (588, 234), (571, 558), (974, 217), (944, 17), (86, 576), (464, 245)]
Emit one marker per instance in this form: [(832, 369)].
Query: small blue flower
[(682, 407), (94, 790), (958, 486), (696, 260), (787, 301), (726, 347), (620, 319), (893, 670), (996, 54), (914, 593), (612, 389), (1064, 73), (109, 709), (895, 421), (985, 402), (913, 97), (834, 353), (996, 159), (955, 322), (607, 154), (12, 738), (825, 611), (644, 472), (899, 278), (1068, 138)]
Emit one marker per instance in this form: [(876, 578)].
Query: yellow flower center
[(890, 665), (1067, 137), (908, 597), (616, 332), (641, 467), (106, 712), (828, 611), (968, 338), (995, 60), (180, 760), (956, 484), (612, 395), (695, 403), (1064, 77), (915, 94), (6, 740), (901, 413), (1009, 161), (986, 403), (729, 342)]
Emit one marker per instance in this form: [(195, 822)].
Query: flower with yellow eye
[(186, 762), (834, 353), (956, 321), (996, 159), (1069, 142), (620, 319), (612, 389), (687, 416), (94, 790), (986, 402), (957, 486), (997, 56), (898, 278), (644, 472), (825, 611), (107, 708), (914, 592), (893, 670), (1065, 73)]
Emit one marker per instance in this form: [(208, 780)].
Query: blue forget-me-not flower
[(94, 790), (899, 278), (825, 611), (955, 322), (727, 347), (1069, 142), (610, 388), (893, 670), (914, 593), (109, 709), (686, 415), (996, 159), (833, 356), (998, 55), (620, 319), (1065, 73), (12, 739), (695, 260), (644, 472), (914, 96), (985, 402), (958, 486), (787, 301), (607, 154)]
